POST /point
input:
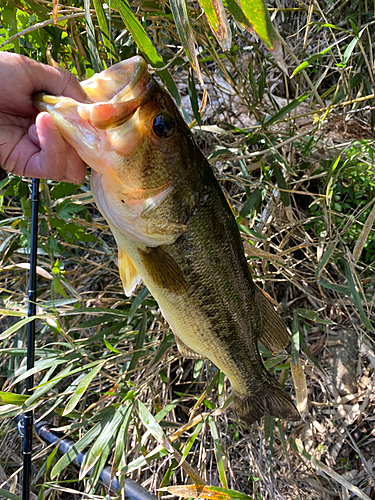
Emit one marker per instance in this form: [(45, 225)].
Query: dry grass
[(300, 247)]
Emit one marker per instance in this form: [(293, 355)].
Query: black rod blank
[(27, 443)]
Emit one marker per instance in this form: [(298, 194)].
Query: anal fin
[(274, 336), (128, 274), (163, 270)]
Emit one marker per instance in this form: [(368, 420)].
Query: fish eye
[(163, 125)]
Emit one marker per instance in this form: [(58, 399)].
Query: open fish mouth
[(123, 81), (114, 95)]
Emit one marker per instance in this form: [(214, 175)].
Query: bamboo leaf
[(217, 18), (253, 199), (12, 398), (145, 45), (191, 441), (218, 452), (91, 39), (203, 491), (284, 194), (324, 260), (122, 436), (79, 446), (354, 294), (285, 110), (186, 34), (104, 28), (103, 442), (81, 388), (300, 386), (257, 15), (306, 313), (152, 425), (138, 345), (364, 235), (7, 494), (19, 325)]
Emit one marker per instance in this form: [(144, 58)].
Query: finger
[(21, 77), (57, 160)]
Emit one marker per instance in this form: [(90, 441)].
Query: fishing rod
[(27, 442), (132, 490)]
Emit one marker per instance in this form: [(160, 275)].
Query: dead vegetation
[(302, 186)]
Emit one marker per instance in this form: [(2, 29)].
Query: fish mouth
[(114, 96), (125, 80)]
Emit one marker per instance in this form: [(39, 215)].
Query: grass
[(299, 174)]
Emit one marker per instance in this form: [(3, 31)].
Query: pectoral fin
[(274, 335), (128, 274), (163, 270)]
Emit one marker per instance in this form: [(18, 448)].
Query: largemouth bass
[(174, 228)]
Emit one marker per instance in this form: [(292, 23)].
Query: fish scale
[(175, 229)]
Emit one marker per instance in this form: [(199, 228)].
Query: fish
[(174, 228)]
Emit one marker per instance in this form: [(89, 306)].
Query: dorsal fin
[(128, 274), (163, 270), (274, 336)]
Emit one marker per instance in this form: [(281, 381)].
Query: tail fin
[(275, 402)]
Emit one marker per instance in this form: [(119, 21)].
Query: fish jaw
[(105, 130), (111, 134)]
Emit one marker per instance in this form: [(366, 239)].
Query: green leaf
[(185, 31), (19, 325), (137, 302), (285, 110), (152, 425), (192, 439), (145, 45), (81, 388), (122, 436), (104, 441), (218, 452), (106, 33), (218, 21), (192, 91), (324, 260), (79, 446), (91, 39), (355, 296), (283, 188), (12, 398), (253, 199), (138, 345), (306, 313), (7, 494), (63, 189), (348, 51)]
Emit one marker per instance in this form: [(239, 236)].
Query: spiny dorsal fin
[(274, 335), (163, 270), (128, 273)]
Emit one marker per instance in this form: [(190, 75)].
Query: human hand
[(30, 143)]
